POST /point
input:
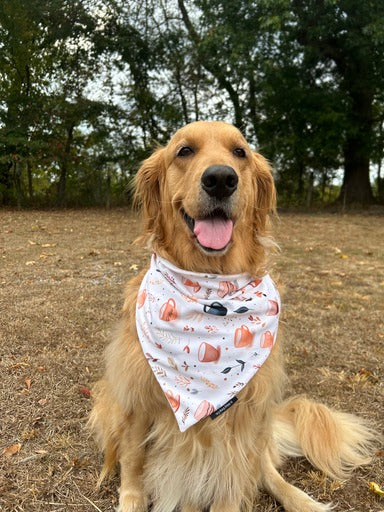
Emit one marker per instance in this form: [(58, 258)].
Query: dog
[(207, 200)]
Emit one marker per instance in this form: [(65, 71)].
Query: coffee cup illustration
[(174, 400), (191, 284), (141, 298), (205, 409), (226, 288), (168, 311), (215, 309), (243, 337), (267, 340), (273, 308), (208, 353)]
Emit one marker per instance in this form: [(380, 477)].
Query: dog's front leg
[(131, 458)]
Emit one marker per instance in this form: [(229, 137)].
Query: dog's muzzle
[(213, 229)]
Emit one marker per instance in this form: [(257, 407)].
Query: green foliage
[(87, 87)]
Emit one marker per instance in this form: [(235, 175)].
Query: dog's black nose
[(219, 181)]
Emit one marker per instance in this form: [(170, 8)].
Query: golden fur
[(217, 465)]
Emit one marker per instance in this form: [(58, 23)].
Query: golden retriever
[(208, 175)]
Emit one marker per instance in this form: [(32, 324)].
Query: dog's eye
[(239, 152), (185, 151)]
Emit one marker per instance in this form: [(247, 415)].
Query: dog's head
[(205, 198)]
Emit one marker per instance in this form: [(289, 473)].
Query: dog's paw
[(311, 505), (130, 502)]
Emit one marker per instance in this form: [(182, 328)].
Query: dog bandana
[(204, 336)]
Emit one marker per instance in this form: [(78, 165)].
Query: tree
[(348, 37), (46, 63)]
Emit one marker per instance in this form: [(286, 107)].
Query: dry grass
[(61, 284)]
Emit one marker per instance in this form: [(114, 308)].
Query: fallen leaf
[(376, 488), (48, 245), (85, 392), (18, 365), (134, 267), (11, 450), (42, 401), (29, 263), (117, 264), (28, 383)]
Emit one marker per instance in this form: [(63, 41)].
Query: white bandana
[(204, 336)]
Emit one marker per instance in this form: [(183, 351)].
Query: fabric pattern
[(204, 336)]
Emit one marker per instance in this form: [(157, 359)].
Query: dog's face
[(206, 197)]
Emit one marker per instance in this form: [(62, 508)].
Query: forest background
[(89, 87)]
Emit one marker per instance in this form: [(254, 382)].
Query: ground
[(62, 276)]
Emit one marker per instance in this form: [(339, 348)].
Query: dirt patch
[(62, 276)]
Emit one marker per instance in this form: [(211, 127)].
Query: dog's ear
[(266, 192), (148, 183)]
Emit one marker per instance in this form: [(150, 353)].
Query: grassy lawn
[(62, 277)]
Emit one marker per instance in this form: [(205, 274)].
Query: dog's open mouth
[(213, 232)]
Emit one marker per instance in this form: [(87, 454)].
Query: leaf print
[(172, 363), (150, 357), (185, 414), (169, 278), (208, 383), (182, 381), (185, 366), (211, 328), (146, 332), (254, 319), (189, 298), (158, 370), (167, 336), (194, 391), (238, 385), (196, 317), (241, 310), (242, 364)]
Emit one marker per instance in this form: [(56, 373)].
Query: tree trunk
[(30, 180), (380, 180), (62, 188), (356, 188), (108, 190), (183, 101), (310, 190), (17, 177)]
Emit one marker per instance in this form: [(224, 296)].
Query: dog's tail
[(333, 441)]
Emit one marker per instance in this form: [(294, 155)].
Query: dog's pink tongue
[(214, 233)]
